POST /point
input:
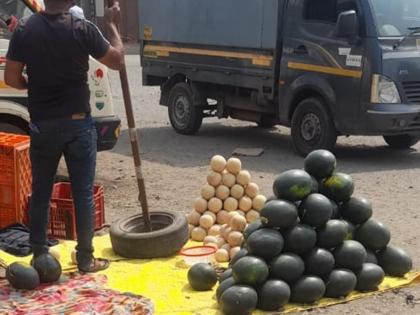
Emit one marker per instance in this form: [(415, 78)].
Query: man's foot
[(97, 264)]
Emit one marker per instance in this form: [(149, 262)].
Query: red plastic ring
[(212, 250)]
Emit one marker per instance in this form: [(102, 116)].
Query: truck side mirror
[(347, 24)]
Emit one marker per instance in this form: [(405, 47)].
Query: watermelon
[(351, 229), (273, 295), (350, 255), (373, 235), (48, 268), (224, 285), (226, 274), (252, 227), (356, 210), (22, 276), (340, 283), (202, 277), (288, 267), (242, 253), (332, 234), (292, 185), (265, 243), (394, 261), (315, 185), (319, 262), (250, 270), (315, 210), (300, 239), (371, 257), (336, 212), (338, 187), (239, 300), (279, 214), (307, 289), (320, 163), (369, 277)]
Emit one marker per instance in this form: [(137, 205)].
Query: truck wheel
[(312, 127), (185, 116), (401, 142), (11, 128)]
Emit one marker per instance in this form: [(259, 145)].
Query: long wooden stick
[(134, 142)]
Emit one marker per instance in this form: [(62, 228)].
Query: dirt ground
[(175, 167)]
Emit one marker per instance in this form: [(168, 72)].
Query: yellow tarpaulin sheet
[(164, 281)]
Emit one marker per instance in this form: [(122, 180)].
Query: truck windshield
[(396, 17)]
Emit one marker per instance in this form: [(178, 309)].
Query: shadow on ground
[(163, 145)]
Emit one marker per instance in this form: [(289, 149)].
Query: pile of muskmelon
[(228, 202), (313, 240)]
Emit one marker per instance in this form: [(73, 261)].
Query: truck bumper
[(392, 119), (108, 129)]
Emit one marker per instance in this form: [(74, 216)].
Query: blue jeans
[(76, 140)]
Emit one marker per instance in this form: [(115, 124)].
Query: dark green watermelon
[(202, 277), (394, 261), (371, 257), (265, 243), (252, 227), (336, 212), (319, 262), (279, 214), (351, 229), (300, 239), (315, 210), (288, 267), (315, 185), (332, 234), (340, 283), (350, 255), (356, 210), (250, 270), (292, 185), (338, 187), (48, 268), (226, 274), (307, 289), (242, 253), (320, 163), (373, 235), (369, 277), (239, 300), (273, 295), (224, 285), (22, 276)]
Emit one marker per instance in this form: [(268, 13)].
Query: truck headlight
[(384, 90)]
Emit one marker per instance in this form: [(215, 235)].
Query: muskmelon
[(394, 261), (373, 235), (230, 204), (222, 192), (338, 187), (307, 289), (356, 210), (198, 234), (250, 270), (288, 267), (214, 230), (48, 268), (214, 179), (238, 223), (265, 243), (340, 283), (239, 300), (215, 205), (234, 251), (332, 234), (369, 277), (315, 210), (258, 202), (320, 163), (22, 276), (222, 255), (235, 238), (237, 191), (222, 217), (252, 216), (293, 185), (245, 203), (207, 221), (300, 239), (243, 178), (319, 262), (252, 190), (194, 218), (218, 163), (273, 295), (234, 165), (208, 192), (228, 179), (279, 214), (202, 277), (200, 205), (350, 255)]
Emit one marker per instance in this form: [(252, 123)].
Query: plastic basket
[(15, 178), (63, 214)]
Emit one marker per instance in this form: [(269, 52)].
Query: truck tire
[(130, 240), (185, 116), (12, 128), (401, 142), (312, 127)]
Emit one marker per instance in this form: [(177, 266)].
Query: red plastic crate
[(15, 178), (63, 214)]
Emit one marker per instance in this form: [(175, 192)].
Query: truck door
[(316, 58)]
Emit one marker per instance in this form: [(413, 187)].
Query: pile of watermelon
[(313, 240)]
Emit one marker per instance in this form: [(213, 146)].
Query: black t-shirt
[(55, 50)]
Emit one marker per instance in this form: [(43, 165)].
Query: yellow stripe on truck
[(155, 51), (327, 70)]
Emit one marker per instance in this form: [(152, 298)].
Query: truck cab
[(324, 68), (14, 116)]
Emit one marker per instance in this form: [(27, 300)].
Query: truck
[(14, 116), (323, 68)]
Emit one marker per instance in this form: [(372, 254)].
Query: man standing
[(77, 11), (55, 47)]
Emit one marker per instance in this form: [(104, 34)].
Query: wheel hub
[(181, 108), (311, 127)]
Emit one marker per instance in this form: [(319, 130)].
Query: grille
[(412, 91)]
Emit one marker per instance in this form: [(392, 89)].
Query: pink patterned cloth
[(74, 294)]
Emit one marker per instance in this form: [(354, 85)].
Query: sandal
[(97, 264)]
